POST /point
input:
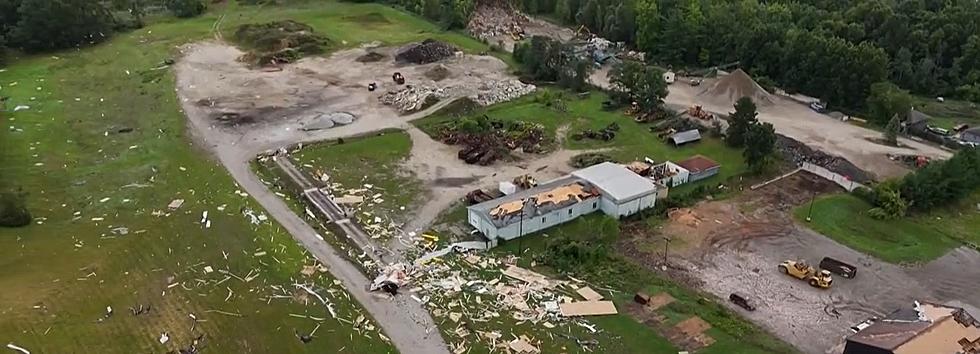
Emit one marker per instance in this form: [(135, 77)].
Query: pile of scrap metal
[(525, 182), (647, 117), (478, 196), (914, 161), (698, 112), (604, 134)]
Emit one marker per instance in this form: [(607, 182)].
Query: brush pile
[(484, 140), (278, 42)]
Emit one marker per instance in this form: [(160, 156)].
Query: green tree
[(635, 82), (760, 142), (891, 131), (588, 15), (889, 203), (562, 11), (55, 24), (136, 9), (647, 25), (740, 121), (886, 101), (186, 8), (13, 211)]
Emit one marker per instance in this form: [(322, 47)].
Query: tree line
[(45, 25), (831, 49), (936, 185)]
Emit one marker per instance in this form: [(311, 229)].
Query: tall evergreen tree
[(740, 121)]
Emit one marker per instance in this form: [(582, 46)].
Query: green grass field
[(733, 334), (369, 161), (633, 142), (950, 113), (913, 239), (86, 175)]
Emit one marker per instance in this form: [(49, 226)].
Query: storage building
[(607, 186), (700, 167)]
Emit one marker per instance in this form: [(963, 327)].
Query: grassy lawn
[(633, 142), (732, 333), (99, 191), (919, 238), (368, 161), (949, 113), (350, 25)]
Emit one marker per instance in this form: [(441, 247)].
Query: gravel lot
[(742, 240)]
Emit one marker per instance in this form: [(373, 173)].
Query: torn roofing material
[(926, 325), (617, 182), (540, 200)]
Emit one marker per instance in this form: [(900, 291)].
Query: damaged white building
[(609, 187)]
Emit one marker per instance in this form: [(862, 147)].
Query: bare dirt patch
[(815, 130), (736, 244)]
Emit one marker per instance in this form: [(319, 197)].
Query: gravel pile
[(429, 51), (492, 92), (414, 98)]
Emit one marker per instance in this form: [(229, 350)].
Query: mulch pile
[(429, 51), (795, 151)]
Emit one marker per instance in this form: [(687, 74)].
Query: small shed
[(700, 167), (684, 137), (670, 77)]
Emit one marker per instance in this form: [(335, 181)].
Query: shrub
[(13, 211), (186, 8)]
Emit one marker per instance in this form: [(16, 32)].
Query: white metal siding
[(534, 224)]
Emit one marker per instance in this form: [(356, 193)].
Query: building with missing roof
[(608, 187), (925, 328)]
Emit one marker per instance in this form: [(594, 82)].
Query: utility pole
[(520, 229), (666, 243), (813, 196)]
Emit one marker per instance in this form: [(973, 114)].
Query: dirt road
[(210, 80), (799, 122), (735, 246)]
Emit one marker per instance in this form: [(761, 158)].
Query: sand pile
[(736, 85)]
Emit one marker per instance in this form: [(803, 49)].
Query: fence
[(829, 175), (842, 181)]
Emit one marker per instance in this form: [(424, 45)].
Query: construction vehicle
[(398, 78), (525, 182), (698, 112), (372, 86), (801, 270)]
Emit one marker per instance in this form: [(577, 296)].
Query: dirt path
[(210, 79), (449, 179), (817, 131)]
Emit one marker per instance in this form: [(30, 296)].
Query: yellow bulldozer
[(801, 270)]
